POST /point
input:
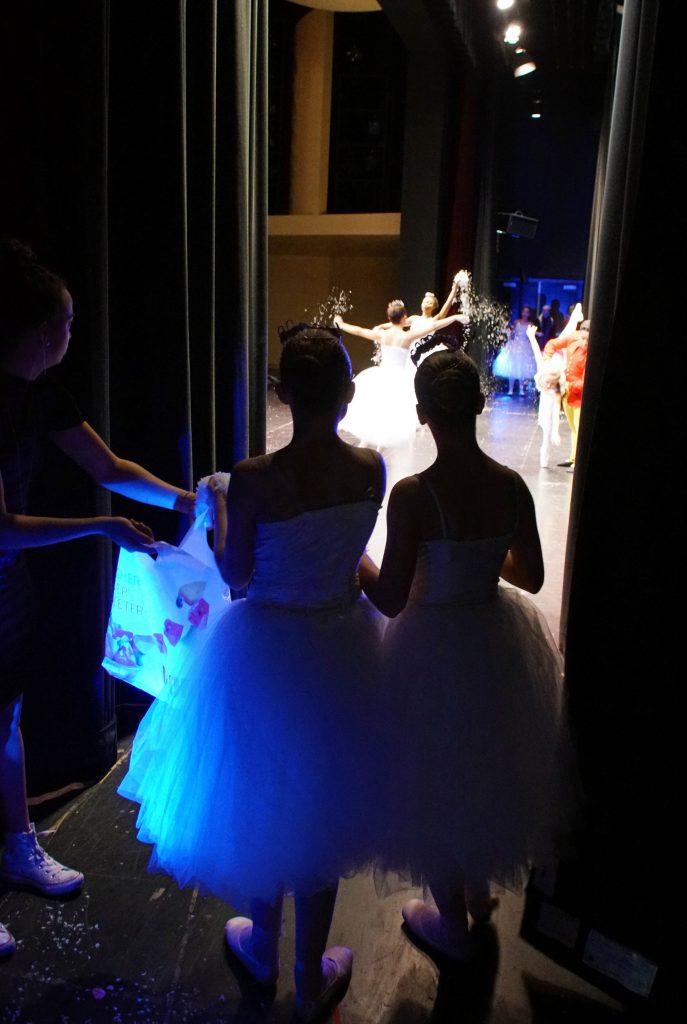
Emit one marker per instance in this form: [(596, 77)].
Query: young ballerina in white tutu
[(257, 781), (474, 676), (382, 413)]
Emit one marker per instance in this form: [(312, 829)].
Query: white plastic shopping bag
[(161, 611)]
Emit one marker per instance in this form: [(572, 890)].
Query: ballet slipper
[(238, 932), (427, 924)]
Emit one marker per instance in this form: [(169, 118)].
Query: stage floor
[(134, 949)]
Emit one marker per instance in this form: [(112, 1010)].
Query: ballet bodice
[(458, 571), (393, 357), (311, 559)]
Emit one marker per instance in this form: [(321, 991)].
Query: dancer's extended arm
[(450, 299), (536, 351), (359, 332)]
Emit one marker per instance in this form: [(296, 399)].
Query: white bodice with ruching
[(311, 559)]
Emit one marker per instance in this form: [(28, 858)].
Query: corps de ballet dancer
[(428, 319), (259, 780), (382, 412), (483, 765)]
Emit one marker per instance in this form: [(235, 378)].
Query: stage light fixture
[(535, 116), (524, 66), (512, 34), (504, 5)]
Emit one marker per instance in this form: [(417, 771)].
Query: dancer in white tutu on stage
[(515, 360), (474, 678), (259, 780), (428, 318), (382, 413)]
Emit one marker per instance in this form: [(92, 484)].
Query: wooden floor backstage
[(132, 948)]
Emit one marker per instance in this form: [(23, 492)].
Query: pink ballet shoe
[(238, 932), (427, 924), (337, 966)]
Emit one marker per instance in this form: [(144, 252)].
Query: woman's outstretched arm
[(85, 447), (19, 531)]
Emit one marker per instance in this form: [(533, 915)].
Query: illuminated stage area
[(132, 947)]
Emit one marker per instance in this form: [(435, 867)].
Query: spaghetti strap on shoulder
[(516, 501), (437, 504)]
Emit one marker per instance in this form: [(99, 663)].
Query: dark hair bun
[(448, 388), (314, 366)]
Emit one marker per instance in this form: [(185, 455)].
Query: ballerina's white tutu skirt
[(261, 777), (485, 781)]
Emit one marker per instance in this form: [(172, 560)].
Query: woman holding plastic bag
[(35, 325)]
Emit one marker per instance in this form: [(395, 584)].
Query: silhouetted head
[(448, 389), (396, 311), (314, 369), (30, 294)]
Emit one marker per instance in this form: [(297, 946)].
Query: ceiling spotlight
[(535, 116), (504, 5), (525, 67), (512, 35)]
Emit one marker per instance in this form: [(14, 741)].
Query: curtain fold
[(617, 182), (137, 135)]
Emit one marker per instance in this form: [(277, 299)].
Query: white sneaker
[(337, 967), (26, 865), (427, 924), (238, 932), (7, 943)]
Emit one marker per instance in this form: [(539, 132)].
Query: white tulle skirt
[(382, 413), (262, 776), (516, 359), (486, 782)]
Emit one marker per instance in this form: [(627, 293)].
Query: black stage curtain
[(606, 918), (134, 162)]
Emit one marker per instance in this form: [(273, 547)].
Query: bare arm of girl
[(18, 531), (523, 566), (85, 447), (388, 587), (536, 351), (450, 299), (235, 518), (421, 332), (359, 332)]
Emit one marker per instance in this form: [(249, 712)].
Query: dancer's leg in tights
[(313, 921), (266, 919)]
